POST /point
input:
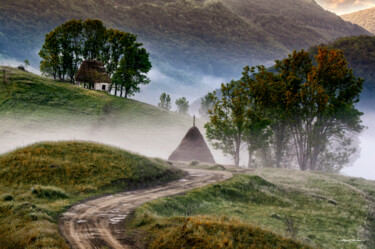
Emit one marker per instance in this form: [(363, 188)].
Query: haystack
[(192, 147), (94, 73)]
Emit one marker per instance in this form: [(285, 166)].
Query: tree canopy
[(302, 114), (182, 105), (69, 44), (165, 101)]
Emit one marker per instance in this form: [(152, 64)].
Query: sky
[(345, 6)]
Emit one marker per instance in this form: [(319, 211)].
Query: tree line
[(300, 114), (69, 44), (181, 103)]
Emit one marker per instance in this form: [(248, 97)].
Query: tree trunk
[(237, 152), (122, 87), (249, 164)]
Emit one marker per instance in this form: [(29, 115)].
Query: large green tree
[(132, 69), (320, 107), (303, 109), (226, 127)]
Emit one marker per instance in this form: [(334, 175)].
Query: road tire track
[(99, 223)]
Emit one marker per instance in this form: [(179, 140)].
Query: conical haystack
[(192, 147)]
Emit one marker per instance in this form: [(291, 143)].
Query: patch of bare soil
[(99, 223)]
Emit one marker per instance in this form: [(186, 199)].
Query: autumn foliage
[(301, 113)]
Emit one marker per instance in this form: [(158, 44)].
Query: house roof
[(92, 71)]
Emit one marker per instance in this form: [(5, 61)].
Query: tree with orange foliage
[(320, 106)]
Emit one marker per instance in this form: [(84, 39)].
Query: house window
[(103, 87)]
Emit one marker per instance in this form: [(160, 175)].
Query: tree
[(165, 101), (206, 104), (320, 106), (50, 53), (94, 33), (182, 105), (269, 92), (132, 70), (71, 43), (27, 63), (226, 128)]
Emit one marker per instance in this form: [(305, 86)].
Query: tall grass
[(212, 232), (38, 182), (312, 208)]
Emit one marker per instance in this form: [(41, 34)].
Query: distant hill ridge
[(211, 36), (364, 18)]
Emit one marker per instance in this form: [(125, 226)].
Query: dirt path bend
[(98, 223)]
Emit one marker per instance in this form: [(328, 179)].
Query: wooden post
[(194, 121)]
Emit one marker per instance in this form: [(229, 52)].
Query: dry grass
[(38, 182), (322, 211)]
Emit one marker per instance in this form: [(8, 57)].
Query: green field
[(35, 108), (23, 94), (38, 182), (319, 210)]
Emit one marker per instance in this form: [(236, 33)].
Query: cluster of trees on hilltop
[(303, 114), (69, 44)]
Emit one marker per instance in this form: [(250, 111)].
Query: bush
[(217, 167), (20, 67), (7, 197), (194, 163), (49, 192)]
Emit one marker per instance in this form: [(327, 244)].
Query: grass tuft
[(7, 197), (49, 192)]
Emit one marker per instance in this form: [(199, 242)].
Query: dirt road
[(98, 223)]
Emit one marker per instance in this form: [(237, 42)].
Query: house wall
[(99, 86)]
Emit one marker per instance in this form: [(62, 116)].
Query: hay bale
[(92, 71), (192, 148)]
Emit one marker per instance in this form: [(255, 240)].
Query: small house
[(92, 73)]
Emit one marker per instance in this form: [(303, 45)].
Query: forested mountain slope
[(359, 51), (364, 18), (214, 37)]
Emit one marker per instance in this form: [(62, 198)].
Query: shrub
[(7, 197), (48, 192), (20, 67), (194, 163), (217, 167)]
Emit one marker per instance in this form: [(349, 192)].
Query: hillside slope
[(34, 108), (320, 210), (38, 182), (364, 18), (217, 37)]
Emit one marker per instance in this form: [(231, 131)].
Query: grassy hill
[(262, 208), (215, 37), (364, 18), (318, 210), (34, 108), (40, 181)]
